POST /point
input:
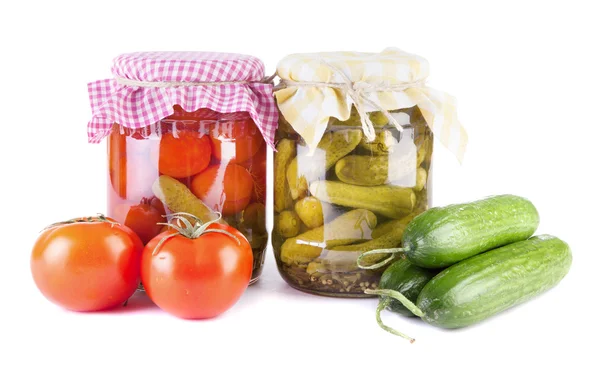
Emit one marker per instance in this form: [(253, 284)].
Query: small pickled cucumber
[(362, 170), (286, 150), (298, 184), (421, 179), (375, 170), (390, 201), (341, 143), (288, 224), (424, 150), (310, 211), (378, 118), (178, 198), (305, 169), (388, 226), (383, 144), (343, 258), (348, 228), (384, 228), (389, 239)]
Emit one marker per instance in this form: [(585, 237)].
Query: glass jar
[(348, 197), (188, 162), (353, 162), (187, 131)]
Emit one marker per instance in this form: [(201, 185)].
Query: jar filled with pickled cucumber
[(353, 164), (186, 132)]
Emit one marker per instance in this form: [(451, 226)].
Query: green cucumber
[(494, 281), (442, 236), (404, 278), (484, 285), (407, 279)]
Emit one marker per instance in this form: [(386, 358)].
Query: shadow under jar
[(198, 162), (350, 196)]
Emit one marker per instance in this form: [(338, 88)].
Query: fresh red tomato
[(197, 278), (236, 141), (224, 188), (88, 265), (183, 155)]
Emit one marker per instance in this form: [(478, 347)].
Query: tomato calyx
[(184, 227), (98, 218)]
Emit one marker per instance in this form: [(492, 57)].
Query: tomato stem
[(189, 230), (383, 304), (98, 218), (399, 297), (162, 241)]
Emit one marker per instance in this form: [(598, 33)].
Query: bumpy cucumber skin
[(484, 285), (407, 279), (446, 235)]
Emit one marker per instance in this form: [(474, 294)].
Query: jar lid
[(317, 86), (146, 85)]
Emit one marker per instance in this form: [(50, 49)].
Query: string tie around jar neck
[(359, 93), (163, 84)]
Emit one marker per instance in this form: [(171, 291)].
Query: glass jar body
[(347, 197), (188, 162)]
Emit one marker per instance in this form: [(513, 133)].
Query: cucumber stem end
[(391, 251), (399, 297), (380, 307)]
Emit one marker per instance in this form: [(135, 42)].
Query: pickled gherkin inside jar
[(349, 196)]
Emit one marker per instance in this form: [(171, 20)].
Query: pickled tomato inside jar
[(211, 160), (226, 188), (235, 140)]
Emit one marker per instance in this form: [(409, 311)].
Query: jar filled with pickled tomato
[(186, 132), (353, 163)]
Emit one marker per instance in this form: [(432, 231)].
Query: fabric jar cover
[(146, 86), (318, 86)]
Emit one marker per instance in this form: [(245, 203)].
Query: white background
[(527, 78)]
